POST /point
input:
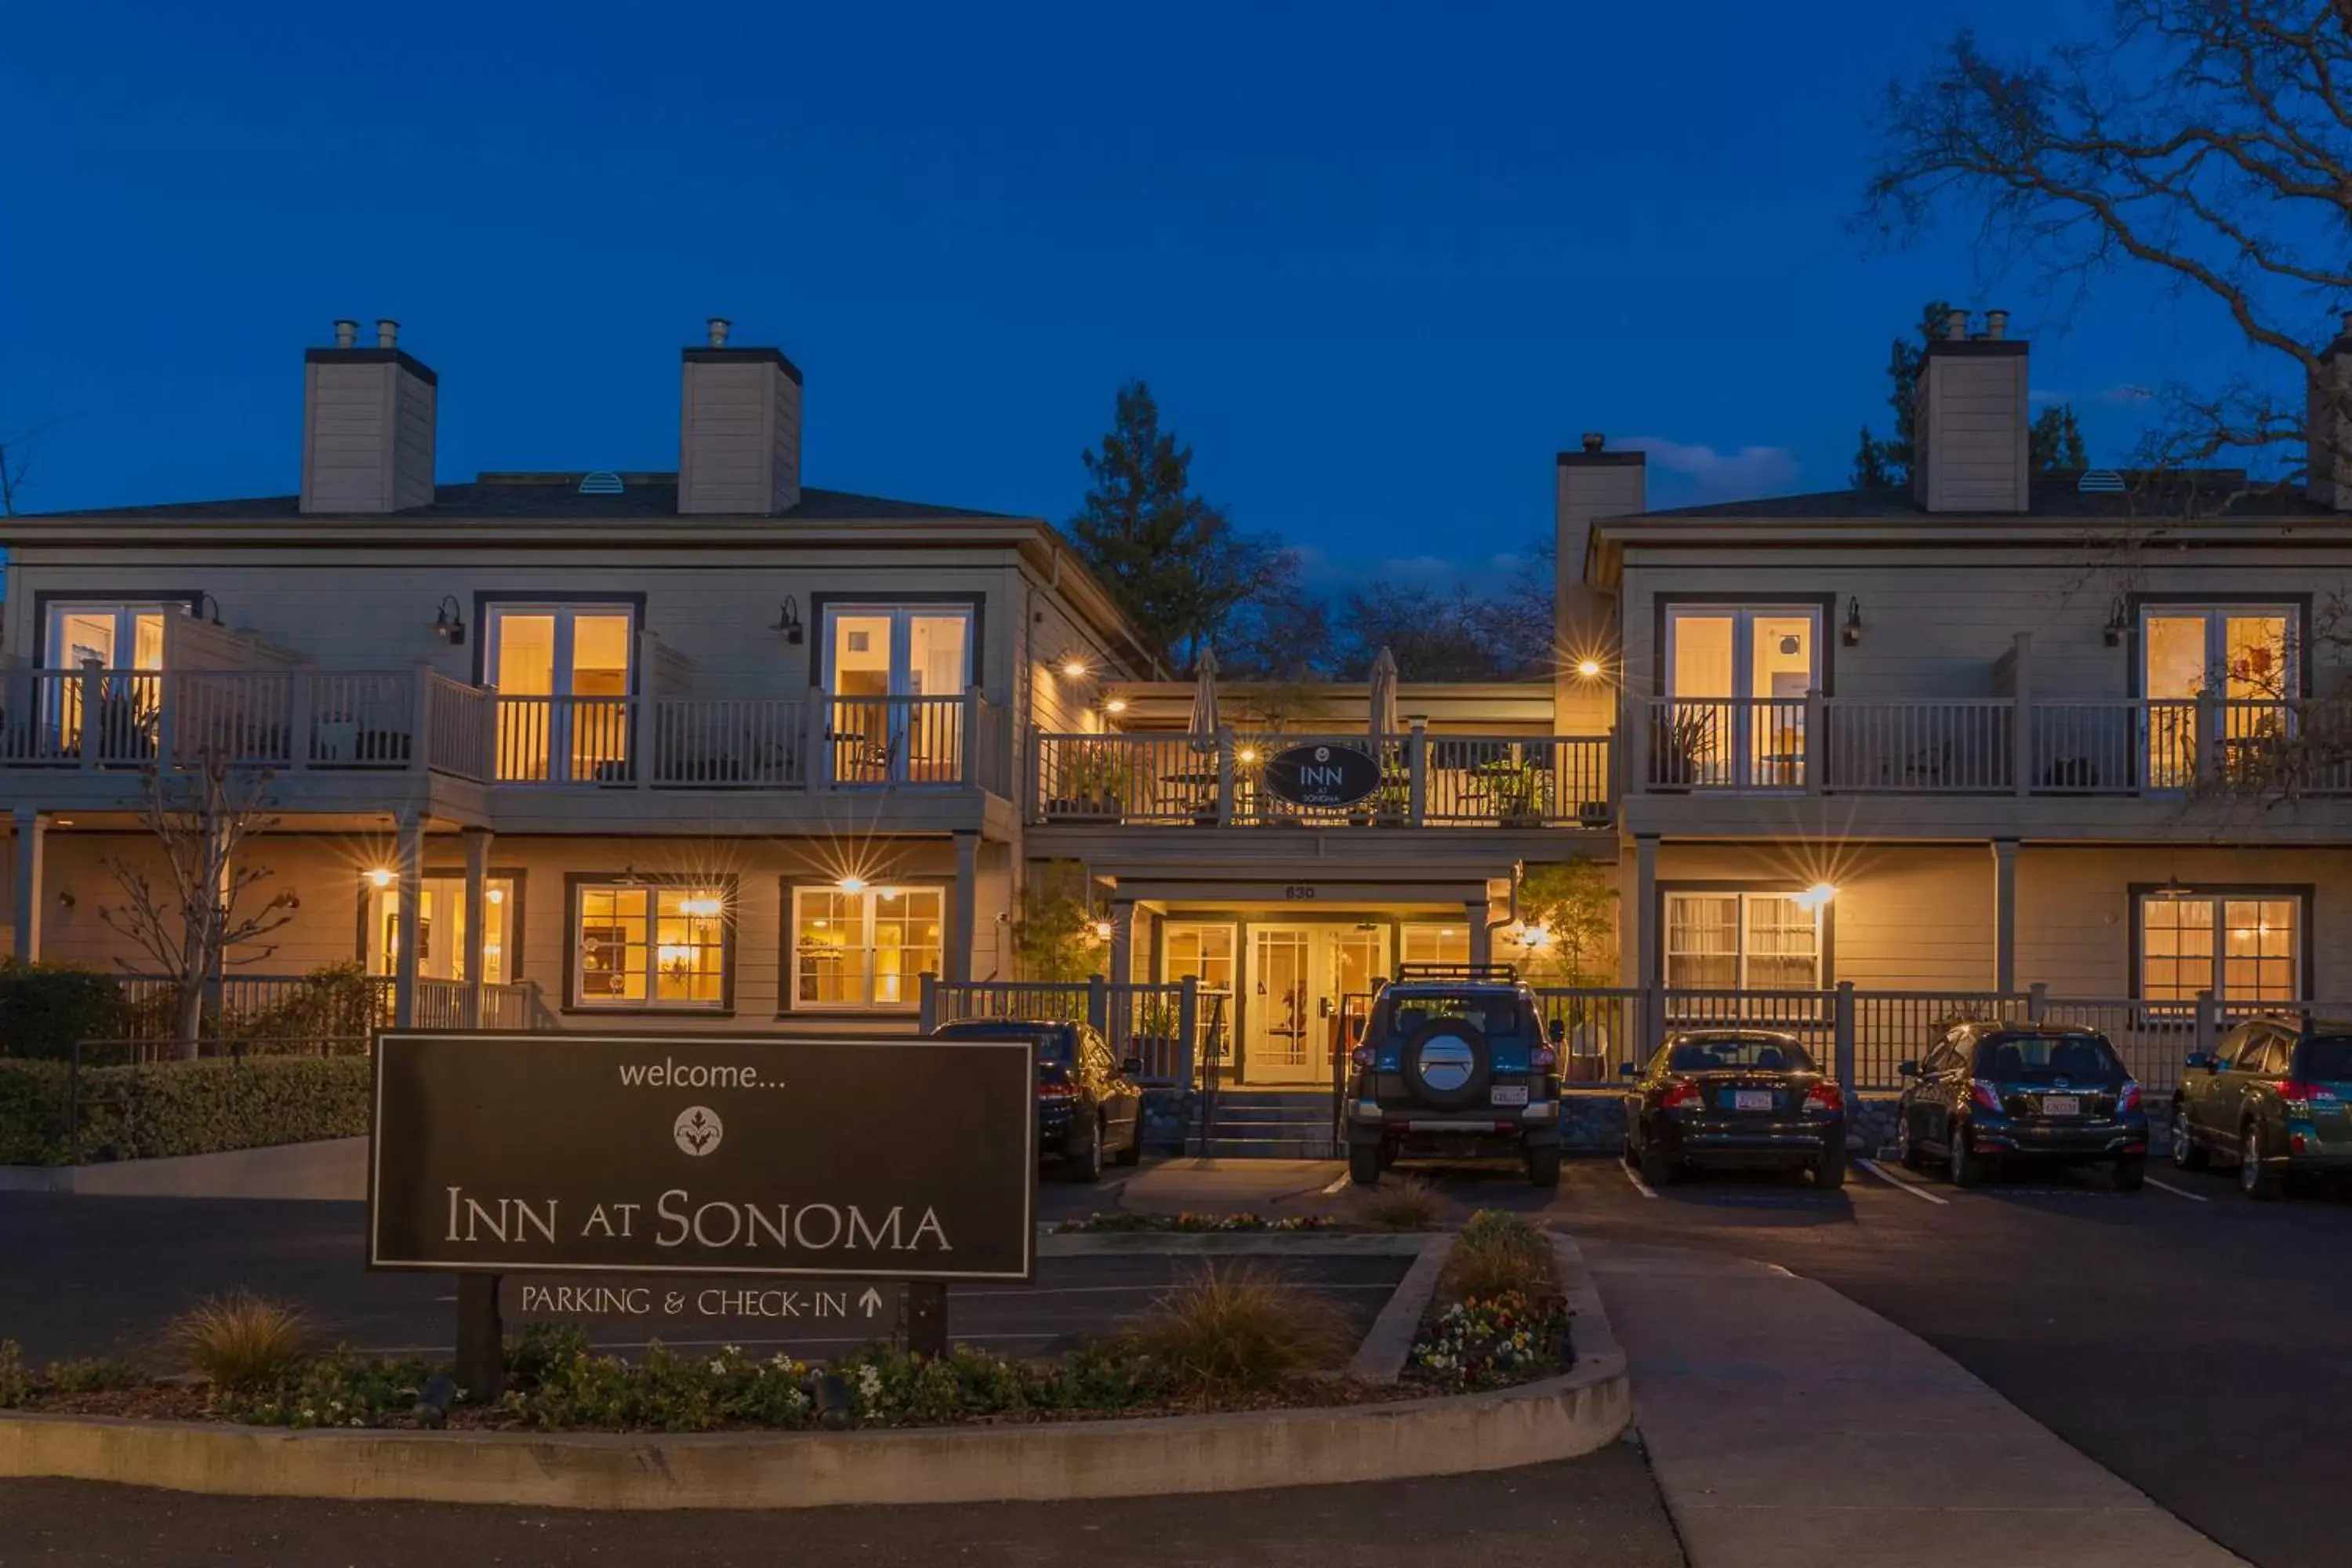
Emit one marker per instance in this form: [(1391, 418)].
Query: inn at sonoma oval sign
[(704, 1154), (1321, 773)]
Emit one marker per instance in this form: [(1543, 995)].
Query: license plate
[(2062, 1105), (1751, 1099), (1508, 1094)]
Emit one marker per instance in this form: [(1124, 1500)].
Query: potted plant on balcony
[(1514, 788), (1097, 782), (1682, 742), (1156, 1037)]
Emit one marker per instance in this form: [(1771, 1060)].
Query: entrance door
[(1739, 677), (1282, 1024), (562, 675)]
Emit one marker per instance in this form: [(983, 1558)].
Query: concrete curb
[(1561, 1418), (1381, 1358), (1236, 1244), (330, 1170)]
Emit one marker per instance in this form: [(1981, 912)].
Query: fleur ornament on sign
[(698, 1130)]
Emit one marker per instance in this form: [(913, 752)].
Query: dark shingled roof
[(2209, 495), (558, 496)]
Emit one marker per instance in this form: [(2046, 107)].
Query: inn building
[(719, 748)]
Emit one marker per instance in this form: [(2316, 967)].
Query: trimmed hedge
[(46, 1007), (180, 1108)]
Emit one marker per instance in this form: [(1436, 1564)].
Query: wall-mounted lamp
[(2118, 622), (1852, 634), (381, 876), (1589, 668), (1102, 930), (1814, 896), (1114, 705), (449, 623), (208, 608), (788, 621), (850, 885), (1072, 665), (65, 898)]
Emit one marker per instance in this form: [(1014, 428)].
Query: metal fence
[(1165, 1025)]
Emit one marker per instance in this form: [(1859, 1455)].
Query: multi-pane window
[(1202, 953), (1742, 942), (2241, 949), (642, 946), (866, 949), (1435, 944), (440, 926)]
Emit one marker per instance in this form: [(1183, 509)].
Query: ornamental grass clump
[(241, 1341), (1240, 1331), (1403, 1203), (1497, 1254)]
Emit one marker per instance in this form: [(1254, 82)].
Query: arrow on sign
[(871, 1302)]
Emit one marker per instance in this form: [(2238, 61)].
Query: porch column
[(478, 927), (32, 833), (1122, 941), (1482, 941), (962, 927), (1650, 963), (2004, 915), (409, 856)]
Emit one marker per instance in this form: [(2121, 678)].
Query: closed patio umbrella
[(1205, 722), (1384, 698)]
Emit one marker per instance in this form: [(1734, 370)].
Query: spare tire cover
[(1446, 1064)]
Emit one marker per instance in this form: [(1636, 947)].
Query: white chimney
[(2327, 426), (1590, 482), (368, 418), (738, 430), (1969, 417)]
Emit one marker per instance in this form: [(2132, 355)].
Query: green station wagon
[(2274, 1099)]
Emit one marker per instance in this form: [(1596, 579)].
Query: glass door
[(563, 677), (1738, 679), (1206, 954), (2242, 658), (127, 642), (440, 929), (1282, 1027), (1350, 960), (897, 679)]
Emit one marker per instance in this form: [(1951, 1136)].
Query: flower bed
[(1498, 1317), (1119, 1221)]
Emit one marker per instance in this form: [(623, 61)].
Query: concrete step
[(1264, 1148)]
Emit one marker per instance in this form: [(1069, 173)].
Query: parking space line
[(1342, 1180), (2180, 1192), (1875, 1169), (1640, 1185)]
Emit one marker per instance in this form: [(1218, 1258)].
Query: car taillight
[(1682, 1093), (2128, 1100), (2294, 1091), (1985, 1095), (1361, 1058), (1823, 1096), (1543, 1058), (1051, 1090)]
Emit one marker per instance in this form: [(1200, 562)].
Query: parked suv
[(2275, 1097), (1455, 1063), (1090, 1107), (1995, 1093)]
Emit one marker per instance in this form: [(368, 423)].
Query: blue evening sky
[(1377, 262)]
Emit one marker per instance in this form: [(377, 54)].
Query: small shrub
[(1497, 1254), (341, 1388), (1239, 1331), (16, 1377), (541, 1348), (336, 1001), (241, 1341), (90, 1375), (1403, 1203), (666, 1393), (45, 1008)]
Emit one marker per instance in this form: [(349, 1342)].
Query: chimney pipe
[(387, 332), (1594, 440), (1996, 324), (1956, 325), (718, 325), (346, 333)]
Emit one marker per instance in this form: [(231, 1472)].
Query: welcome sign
[(704, 1154)]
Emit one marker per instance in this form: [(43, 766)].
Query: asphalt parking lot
[(2191, 1340)]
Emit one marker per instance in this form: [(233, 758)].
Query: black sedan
[(1994, 1093), (1733, 1098), (1090, 1107)]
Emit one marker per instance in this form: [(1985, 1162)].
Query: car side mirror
[(2198, 1060), (1132, 1066), (1627, 1069), (1558, 1031), (1907, 1069)]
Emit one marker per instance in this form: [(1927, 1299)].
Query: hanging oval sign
[(1321, 774)]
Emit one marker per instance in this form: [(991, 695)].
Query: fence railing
[(1160, 1022), (1163, 778), (259, 1010)]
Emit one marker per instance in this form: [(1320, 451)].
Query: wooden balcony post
[(1416, 752), (32, 832), (93, 702), (2212, 718), (410, 842), (2004, 915), (420, 723), (1224, 775), (815, 766), (301, 699), (645, 733), (477, 928), (1814, 745), (968, 762), (927, 991), (1637, 730), (20, 717), (2021, 715), (963, 929), (1187, 1027)]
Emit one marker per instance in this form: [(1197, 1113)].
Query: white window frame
[(377, 953), (652, 1000), (2219, 903), (1740, 768), (2217, 616), (564, 612), (902, 647), (1744, 950), (126, 614), (862, 952), (1406, 932)]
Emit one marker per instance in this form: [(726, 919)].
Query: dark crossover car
[(2275, 1097), (1992, 1093), (1455, 1063), (1732, 1097), (1090, 1107)]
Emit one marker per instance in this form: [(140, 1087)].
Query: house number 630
[(1296, 893)]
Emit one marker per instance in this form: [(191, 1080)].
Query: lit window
[(1743, 941), (2240, 949), (440, 926), (865, 949), (1436, 944), (639, 946), (1202, 953)]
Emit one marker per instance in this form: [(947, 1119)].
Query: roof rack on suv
[(1491, 971)]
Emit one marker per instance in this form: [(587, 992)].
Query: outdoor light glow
[(1589, 669), (851, 884), (497, 895), (1535, 936), (380, 878), (1102, 930), (1247, 755), (1074, 668), (1817, 895), (700, 904), (1116, 705)]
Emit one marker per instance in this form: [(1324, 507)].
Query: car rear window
[(1761, 1052), (1052, 1045), (2032, 1058), (1498, 1017), (2328, 1058)]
